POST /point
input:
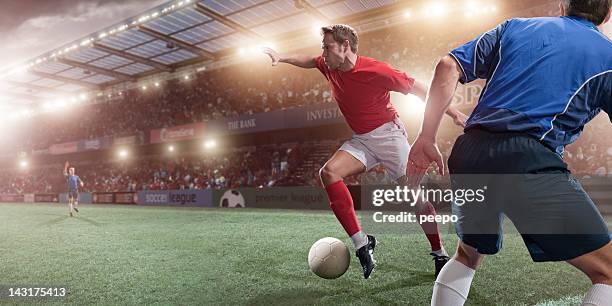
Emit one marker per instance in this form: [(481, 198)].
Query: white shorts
[(386, 145)]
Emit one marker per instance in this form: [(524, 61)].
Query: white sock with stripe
[(452, 285)]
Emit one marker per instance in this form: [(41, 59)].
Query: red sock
[(341, 203), (430, 228)]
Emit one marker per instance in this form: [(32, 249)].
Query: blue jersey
[(546, 77), (73, 182)]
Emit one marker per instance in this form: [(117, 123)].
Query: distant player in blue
[(74, 181), (546, 78)]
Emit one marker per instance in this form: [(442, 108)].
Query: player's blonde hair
[(341, 33)]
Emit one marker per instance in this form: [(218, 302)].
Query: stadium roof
[(169, 36)]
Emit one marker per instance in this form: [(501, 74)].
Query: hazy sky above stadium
[(32, 27)]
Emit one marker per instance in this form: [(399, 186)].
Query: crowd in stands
[(260, 166), (248, 88)]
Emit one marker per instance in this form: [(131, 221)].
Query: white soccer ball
[(232, 198), (329, 258)]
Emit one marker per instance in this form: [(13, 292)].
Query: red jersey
[(363, 92)]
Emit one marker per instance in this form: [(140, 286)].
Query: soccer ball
[(232, 198), (328, 258)]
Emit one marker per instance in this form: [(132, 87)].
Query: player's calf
[(597, 265)]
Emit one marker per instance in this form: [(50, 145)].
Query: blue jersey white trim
[(553, 77), (570, 101)]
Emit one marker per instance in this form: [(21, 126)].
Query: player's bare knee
[(468, 256), (328, 175)]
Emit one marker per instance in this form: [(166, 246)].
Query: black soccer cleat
[(440, 261), (76, 209), (366, 257)]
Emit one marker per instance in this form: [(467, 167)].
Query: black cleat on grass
[(440, 261), (366, 257), (76, 209)]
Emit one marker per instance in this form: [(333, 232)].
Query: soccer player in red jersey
[(361, 87)]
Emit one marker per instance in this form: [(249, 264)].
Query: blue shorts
[(530, 184), (73, 194)]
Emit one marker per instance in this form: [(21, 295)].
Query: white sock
[(70, 207), (359, 239), (440, 252), (598, 295), (452, 285)]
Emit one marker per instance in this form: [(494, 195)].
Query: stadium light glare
[(269, 45), (123, 153), (59, 103), (471, 6), (186, 77), (407, 14), (25, 113), (254, 50), (435, 9), (241, 51), (316, 29), (409, 105), (171, 148), (156, 84), (23, 164), (83, 97), (209, 144), (415, 106), (144, 87)]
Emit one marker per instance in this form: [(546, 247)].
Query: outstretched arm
[(420, 90), (303, 61), (425, 149), (66, 168)]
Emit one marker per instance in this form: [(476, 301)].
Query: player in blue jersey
[(546, 78), (74, 181)]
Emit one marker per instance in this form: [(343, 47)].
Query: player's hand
[(422, 153), (460, 119), (274, 56)]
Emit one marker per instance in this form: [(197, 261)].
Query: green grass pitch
[(117, 255)]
